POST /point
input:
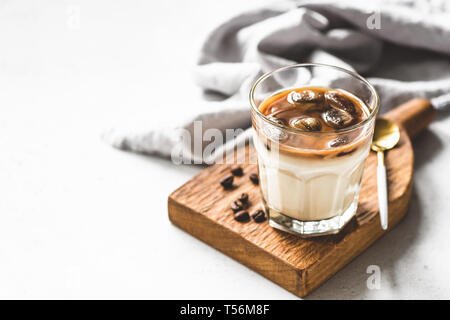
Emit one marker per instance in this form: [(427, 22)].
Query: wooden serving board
[(202, 208)]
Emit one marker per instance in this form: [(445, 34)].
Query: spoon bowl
[(386, 135)]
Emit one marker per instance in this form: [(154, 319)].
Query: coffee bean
[(254, 178), (244, 205), (259, 216), (227, 182), (241, 216), (236, 206), (239, 204), (237, 171), (243, 197)]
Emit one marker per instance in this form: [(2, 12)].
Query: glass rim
[(296, 130)]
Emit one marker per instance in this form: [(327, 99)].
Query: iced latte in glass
[(313, 125)]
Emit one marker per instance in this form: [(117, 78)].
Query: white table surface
[(79, 219)]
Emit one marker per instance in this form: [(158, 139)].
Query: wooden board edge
[(246, 253)]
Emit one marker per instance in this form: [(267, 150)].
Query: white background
[(79, 219)]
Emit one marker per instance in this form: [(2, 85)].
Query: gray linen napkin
[(402, 47)]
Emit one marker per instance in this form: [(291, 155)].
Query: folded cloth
[(401, 47)]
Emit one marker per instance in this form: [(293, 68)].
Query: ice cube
[(339, 141), (273, 132), (338, 100), (305, 96), (276, 120), (306, 123), (337, 118)]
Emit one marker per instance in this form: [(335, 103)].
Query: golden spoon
[(386, 136)]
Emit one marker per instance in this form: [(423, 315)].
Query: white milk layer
[(309, 189)]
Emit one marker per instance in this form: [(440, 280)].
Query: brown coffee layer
[(317, 111), (314, 109)]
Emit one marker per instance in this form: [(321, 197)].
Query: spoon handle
[(382, 190)]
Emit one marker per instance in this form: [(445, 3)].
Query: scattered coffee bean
[(227, 182), (237, 171), (241, 216), (243, 197), (259, 216), (244, 205), (236, 206), (254, 178), (239, 204)]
